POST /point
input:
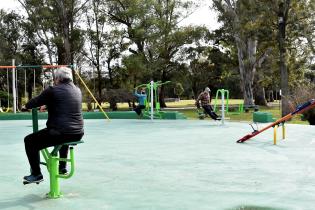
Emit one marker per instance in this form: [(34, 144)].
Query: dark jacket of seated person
[(64, 105)]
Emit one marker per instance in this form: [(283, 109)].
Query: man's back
[(64, 103), (64, 112), (204, 97), (141, 98)]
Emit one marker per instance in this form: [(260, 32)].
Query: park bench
[(249, 107)]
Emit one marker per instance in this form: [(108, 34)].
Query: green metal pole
[(35, 119), (241, 107), (156, 97), (227, 100), (54, 181), (147, 107), (71, 160), (215, 101), (44, 152), (52, 162)]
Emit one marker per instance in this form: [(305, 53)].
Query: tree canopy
[(260, 47)]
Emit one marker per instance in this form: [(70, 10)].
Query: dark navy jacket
[(64, 104)]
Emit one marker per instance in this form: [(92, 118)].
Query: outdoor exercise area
[(170, 164)]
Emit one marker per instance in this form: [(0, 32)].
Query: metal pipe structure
[(13, 86), (34, 66), (222, 108), (8, 88), (25, 83), (14, 78), (152, 108)]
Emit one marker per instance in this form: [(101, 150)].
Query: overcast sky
[(202, 15)]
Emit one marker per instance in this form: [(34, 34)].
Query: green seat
[(73, 143), (58, 147)]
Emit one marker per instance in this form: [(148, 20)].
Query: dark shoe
[(63, 171), (218, 118), (33, 179)]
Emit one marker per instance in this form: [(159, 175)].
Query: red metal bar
[(281, 120), (35, 66), (7, 67)]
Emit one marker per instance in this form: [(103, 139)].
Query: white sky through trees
[(202, 15)]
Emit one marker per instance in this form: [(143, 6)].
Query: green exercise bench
[(52, 161)]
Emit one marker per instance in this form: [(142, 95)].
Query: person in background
[(64, 124), (204, 99), (141, 97)]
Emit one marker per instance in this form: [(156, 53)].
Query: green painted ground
[(138, 164), (165, 115)]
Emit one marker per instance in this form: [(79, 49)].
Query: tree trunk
[(161, 97), (113, 105), (30, 88), (260, 95), (66, 28), (270, 96), (247, 60), (110, 73), (259, 91), (99, 85), (283, 13), (65, 24), (162, 92), (194, 89)]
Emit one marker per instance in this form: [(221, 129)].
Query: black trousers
[(208, 109), (138, 109), (46, 138)]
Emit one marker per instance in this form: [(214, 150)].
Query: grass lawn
[(274, 109), (188, 108)]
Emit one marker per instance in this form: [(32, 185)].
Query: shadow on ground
[(254, 208), (25, 202)]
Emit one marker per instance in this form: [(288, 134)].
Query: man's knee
[(27, 139)]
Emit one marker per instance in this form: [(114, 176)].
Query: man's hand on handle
[(24, 109)]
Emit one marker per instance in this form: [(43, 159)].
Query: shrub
[(114, 96), (301, 95)]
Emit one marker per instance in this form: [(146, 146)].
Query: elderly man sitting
[(64, 124), (205, 99)]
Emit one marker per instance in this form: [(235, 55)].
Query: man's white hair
[(207, 89), (63, 74)]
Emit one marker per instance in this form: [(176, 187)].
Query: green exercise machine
[(152, 92)]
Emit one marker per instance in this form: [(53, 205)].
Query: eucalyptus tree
[(17, 42), (96, 37), (115, 46), (289, 23), (241, 20), (105, 43), (262, 28), (152, 26), (210, 66), (135, 19), (10, 46), (10, 36), (169, 37), (292, 21), (56, 25)]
